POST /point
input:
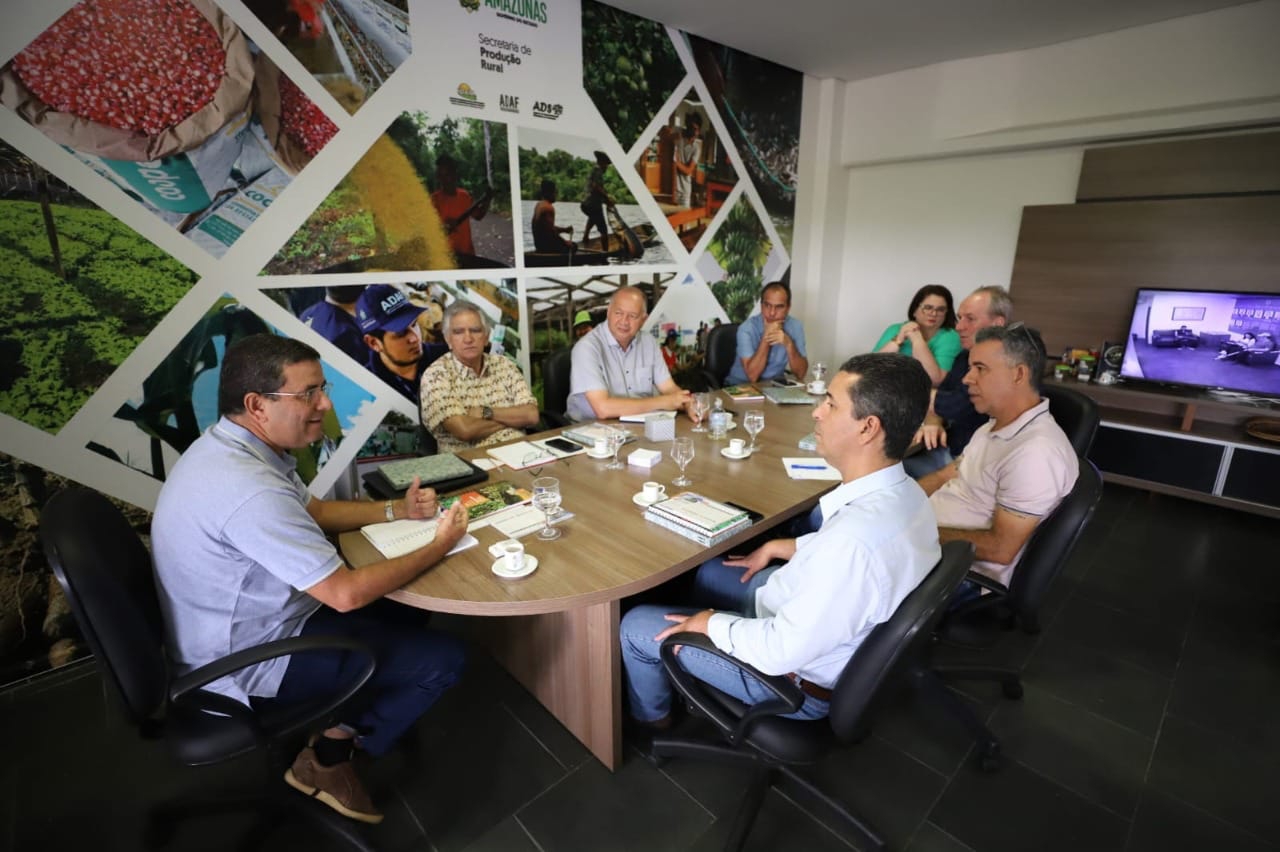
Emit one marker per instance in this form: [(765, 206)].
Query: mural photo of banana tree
[(741, 250)]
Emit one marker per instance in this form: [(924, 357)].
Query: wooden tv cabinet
[(1186, 443)]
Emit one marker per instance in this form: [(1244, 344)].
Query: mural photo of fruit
[(629, 68)]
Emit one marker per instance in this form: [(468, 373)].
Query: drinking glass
[(546, 498), (682, 454), (753, 422), (699, 405), (616, 439)]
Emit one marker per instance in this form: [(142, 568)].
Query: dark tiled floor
[(1149, 723)]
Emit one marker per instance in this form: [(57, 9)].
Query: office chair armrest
[(712, 380), (186, 689), (551, 420), (787, 694)]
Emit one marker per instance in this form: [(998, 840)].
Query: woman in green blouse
[(929, 334)]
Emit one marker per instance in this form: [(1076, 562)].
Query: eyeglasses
[(1026, 334), (934, 309), (307, 396)]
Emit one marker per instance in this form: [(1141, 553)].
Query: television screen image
[(1205, 339)]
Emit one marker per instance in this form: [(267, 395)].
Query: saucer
[(724, 451), (639, 499), (605, 455), (530, 565), (811, 388)]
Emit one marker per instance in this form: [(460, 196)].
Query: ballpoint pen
[(808, 467)]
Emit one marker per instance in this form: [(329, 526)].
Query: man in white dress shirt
[(879, 540)]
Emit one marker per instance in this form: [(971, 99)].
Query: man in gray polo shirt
[(241, 559), (1016, 468), (616, 370)]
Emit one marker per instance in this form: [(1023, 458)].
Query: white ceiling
[(856, 39)]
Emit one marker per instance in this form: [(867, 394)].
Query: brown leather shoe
[(337, 786)]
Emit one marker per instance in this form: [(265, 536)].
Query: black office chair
[(980, 621), (105, 571), (758, 736), (556, 369), (1076, 413), (721, 350)]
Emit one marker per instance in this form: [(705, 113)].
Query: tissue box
[(659, 427), (644, 458)]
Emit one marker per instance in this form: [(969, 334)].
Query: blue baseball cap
[(386, 308)]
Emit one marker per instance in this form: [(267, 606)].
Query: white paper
[(486, 464), (810, 468), (639, 418), (525, 519)]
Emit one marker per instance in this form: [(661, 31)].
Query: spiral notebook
[(396, 538)]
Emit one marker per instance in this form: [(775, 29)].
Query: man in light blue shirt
[(242, 558), (616, 370), (879, 540), (771, 342)]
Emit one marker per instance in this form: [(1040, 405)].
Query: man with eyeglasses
[(397, 354), (616, 370), (952, 418), (1016, 468), (771, 342), (242, 557)]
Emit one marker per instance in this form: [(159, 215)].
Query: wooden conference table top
[(608, 551)]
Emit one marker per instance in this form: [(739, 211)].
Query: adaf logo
[(509, 103), (470, 5), (466, 97)]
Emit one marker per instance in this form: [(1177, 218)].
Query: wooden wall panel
[(1078, 266), (1218, 165)]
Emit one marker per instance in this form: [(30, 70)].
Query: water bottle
[(719, 420)]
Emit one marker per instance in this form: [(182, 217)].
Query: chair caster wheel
[(1012, 690), (989, 759)]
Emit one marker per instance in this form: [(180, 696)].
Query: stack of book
[(705, 521)]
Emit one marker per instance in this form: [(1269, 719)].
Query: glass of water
[(753, 422), (699, 405), (617, 438), (682, 454), (546, 498)]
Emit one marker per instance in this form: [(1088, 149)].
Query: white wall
[(932, 166), (952, 222)]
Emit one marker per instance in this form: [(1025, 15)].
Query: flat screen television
[(1222, 341)]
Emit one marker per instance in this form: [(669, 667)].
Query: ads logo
[(509, 103), (466, 97), (470, 5), (542, 109)]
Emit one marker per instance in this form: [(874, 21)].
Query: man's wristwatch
[(486, 412)]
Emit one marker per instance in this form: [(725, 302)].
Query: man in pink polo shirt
[(1017, 467)]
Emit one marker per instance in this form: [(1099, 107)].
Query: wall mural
[(178, 173)]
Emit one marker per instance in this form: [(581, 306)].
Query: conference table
[(556, 630)]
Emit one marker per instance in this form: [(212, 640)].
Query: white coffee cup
[(512, 556), (737, 446), (653, 491), (601, 446), (817, 387)]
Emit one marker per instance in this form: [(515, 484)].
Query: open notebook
[(396, 538)]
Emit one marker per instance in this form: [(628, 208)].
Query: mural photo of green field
[(81, 292)]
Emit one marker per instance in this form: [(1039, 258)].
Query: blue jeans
[(720, 586), (926, 462), (415, 666), (647, 684)]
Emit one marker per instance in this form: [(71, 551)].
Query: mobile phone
[(563, 445)]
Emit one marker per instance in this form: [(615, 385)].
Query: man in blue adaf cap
[(397, 354)]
